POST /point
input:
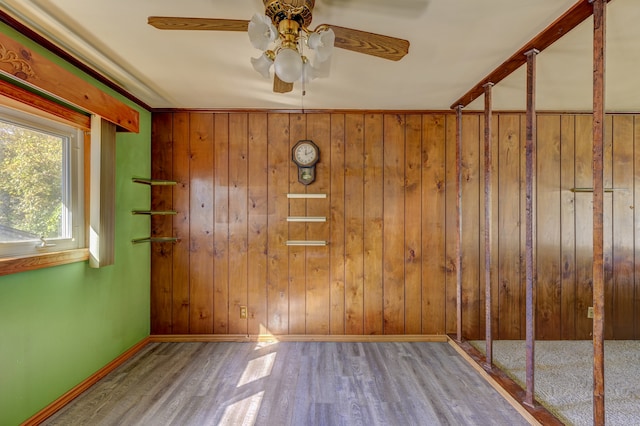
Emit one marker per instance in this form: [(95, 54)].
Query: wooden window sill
[(13, 265)]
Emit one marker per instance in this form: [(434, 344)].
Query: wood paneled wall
[(389, 267)]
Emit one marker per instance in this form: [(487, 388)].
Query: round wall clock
[(305, 154)]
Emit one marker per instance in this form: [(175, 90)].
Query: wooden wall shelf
[(306, 195), (153, 182), (309, 243), (155, 240), (306, 219), (154, 212), (591, 189)]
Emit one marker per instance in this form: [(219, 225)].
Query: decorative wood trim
[(561, 26), (510, 390), (297, 338), (76, 391), (20, 63), (13, 265), (47, 44), (18, 98)]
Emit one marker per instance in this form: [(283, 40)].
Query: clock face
[(305, 153)]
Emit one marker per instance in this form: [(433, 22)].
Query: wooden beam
[(561, 26), (488, 112), (599, 51), (530, 164), (19, 63), (459, 222), (18, 98)]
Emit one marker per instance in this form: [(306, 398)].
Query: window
[(41, 185)]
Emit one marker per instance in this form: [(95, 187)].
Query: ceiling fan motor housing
[(296, 10)]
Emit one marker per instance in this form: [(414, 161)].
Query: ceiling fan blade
[(280, 86), (203, 24), (382, 46)]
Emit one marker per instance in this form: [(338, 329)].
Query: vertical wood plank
[(297, 231), (623, 247), (337, 225), (373, 223), (568, 227), (238, 225), (487, 221), (201, 208), (278, 185), (354, 223), (636, 224), (584, 223), (495, 228), (607, 228), (523, 228), (318, 290), (221, 228), (161, 199), (471, 294), (548, 296), (181, 270), (413, 224), (433, 224), (257, 211), (451, 222), (508, 296), (393, 229)]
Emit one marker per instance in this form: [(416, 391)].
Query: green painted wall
[(60, 325)]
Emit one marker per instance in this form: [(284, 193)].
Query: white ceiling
[(454, 44)]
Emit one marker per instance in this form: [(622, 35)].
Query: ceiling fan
[(285, 25)]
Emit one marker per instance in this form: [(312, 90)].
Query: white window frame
[(73, 171)]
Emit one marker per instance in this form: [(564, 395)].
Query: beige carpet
[(564, 377)]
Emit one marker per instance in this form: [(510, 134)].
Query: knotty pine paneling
[(389, 267)]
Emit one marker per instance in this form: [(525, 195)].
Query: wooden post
[(599, 50), (530, 225), (487, 221), (459, 222)]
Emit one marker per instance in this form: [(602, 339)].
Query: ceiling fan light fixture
[(263, 63), (261, 31), (322, 41), (288, 65)]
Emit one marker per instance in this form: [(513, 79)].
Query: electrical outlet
[(243, 312), (590, 312)]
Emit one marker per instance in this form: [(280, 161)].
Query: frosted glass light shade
[(261, 31), (316, 70), (288, 65), (262, 64), (322, 42)]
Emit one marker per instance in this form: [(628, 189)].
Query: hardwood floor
[(291, 383)]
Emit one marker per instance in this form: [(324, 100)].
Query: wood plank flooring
[(291, 383)]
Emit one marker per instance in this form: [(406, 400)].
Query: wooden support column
[(487, 221), (459, 222), (599, 50), (530, 161)]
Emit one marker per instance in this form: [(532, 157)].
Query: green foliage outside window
[(31, 174)]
